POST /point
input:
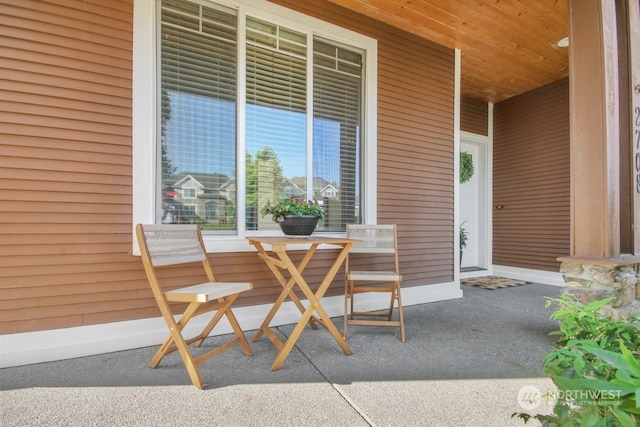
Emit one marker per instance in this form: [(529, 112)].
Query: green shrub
[(596, 367)]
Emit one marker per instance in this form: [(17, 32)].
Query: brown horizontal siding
[(66, 171), (474, 116), (415, 151), (65, 165), (531, 178)]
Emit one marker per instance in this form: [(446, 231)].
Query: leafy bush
[(464, 237), (596, 367), (292, 207)]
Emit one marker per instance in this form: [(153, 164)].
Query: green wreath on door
[(466, 172)]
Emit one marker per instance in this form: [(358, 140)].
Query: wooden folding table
[(278, 259)]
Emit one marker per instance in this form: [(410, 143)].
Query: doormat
[(493, 282)]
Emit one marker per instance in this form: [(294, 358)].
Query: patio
[(463, 364)]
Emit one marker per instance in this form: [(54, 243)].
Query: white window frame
[(145, 126)]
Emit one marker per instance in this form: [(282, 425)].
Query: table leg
[(314, 305), (286, 291), (314, 299)]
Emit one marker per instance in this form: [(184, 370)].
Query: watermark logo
[(530, 397)]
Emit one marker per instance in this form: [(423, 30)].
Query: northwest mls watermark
[(530, 397)]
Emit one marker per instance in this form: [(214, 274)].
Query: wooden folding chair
[(166, 245), (379, 245)]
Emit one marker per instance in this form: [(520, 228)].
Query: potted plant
[(296, 217), (464, 236)]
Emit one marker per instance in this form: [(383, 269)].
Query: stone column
[(599, 280)]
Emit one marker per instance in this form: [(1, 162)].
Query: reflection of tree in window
[(167, 168), (265, 182)]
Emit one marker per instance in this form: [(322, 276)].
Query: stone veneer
[(596, 281)]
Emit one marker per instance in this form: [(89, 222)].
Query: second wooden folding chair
[(362, 275)]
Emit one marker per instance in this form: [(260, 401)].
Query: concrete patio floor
[(463, 364)]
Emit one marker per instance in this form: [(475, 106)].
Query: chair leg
[(175, 338), (162, 351), (400, 314), (346, 306), (393, 302), (169, 345), (212, 324), (224, 310), (192, 368), (246, 348), (395, 296), (352, 297)]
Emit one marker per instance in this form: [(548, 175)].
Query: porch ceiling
[(508, 47)]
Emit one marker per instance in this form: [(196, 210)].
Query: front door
[(474, 196)]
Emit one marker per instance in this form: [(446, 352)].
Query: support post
[(596, 268)]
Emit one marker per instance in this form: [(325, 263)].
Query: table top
[(312, 240)]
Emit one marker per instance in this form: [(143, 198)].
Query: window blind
[(337, 86), (276, 117), (198, 57)]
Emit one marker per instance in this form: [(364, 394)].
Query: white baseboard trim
[(535, 276), (58, 344)]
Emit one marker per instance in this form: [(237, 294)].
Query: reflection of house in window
[(290, 189), (205, 195), (322, 189), (211, 211), (329, 192)]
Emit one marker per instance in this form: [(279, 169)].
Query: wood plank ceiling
[(508, 47)]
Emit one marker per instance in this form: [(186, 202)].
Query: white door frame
[(483, 176)]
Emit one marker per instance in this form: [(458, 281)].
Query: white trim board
[(58, 344)]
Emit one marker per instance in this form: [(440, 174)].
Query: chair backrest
[(170, 244), (376, 239)]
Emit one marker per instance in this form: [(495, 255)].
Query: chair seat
[(374, 275), (205, 292)]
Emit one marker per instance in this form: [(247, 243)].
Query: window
[(198, 103), (254, 103)]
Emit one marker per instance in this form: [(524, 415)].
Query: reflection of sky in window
[(201, 134), (201, 137), (283, 131), (326, 150)]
